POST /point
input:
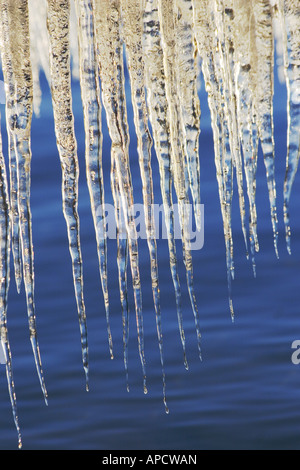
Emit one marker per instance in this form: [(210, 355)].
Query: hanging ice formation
[(164, 43)]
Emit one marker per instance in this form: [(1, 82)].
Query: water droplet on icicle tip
[(231, 310), (167, 410), (145, 387), (185, 362)]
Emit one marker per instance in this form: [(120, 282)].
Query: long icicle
[(122, 261), (15, 49), (167, 24), (224, 16), (204, 32), (227, 159), (109, 47), (290, 17), (244, 95), (90, 93), (188, 96), (264, 89), (5, 238), (158, 106), (132, 20), (58, 28), (15, 239)]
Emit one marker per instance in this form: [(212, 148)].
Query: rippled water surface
[(245, 393)]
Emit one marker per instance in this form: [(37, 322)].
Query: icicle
[(224, 17), (16, 241), (235, 44), (158, 106), (167, 26), (58, 28), (93, 139), (263, 97), (122, 260), (226, 162), (253, 118), (15, 49), (5, 228), (204, 32), (244, 96), (109, 47), (166, 19), (290, 17), (132, 21), (188, 95)]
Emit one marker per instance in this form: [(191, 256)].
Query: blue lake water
[(245, 394)]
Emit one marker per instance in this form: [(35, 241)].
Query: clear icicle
[(204, 32), (122, 261), (58, 28), (263, 97), (93, 139), (5, 235), (132, 27), (16, 241), (13, 180), (244, 96), (224, 16), (15, 49), (109, 47), (188, 95), (253, 117), (290, 18), (226, 157), (158, 106), (234, 40), (167, 26)]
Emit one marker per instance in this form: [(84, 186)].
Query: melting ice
[(164, 42)]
